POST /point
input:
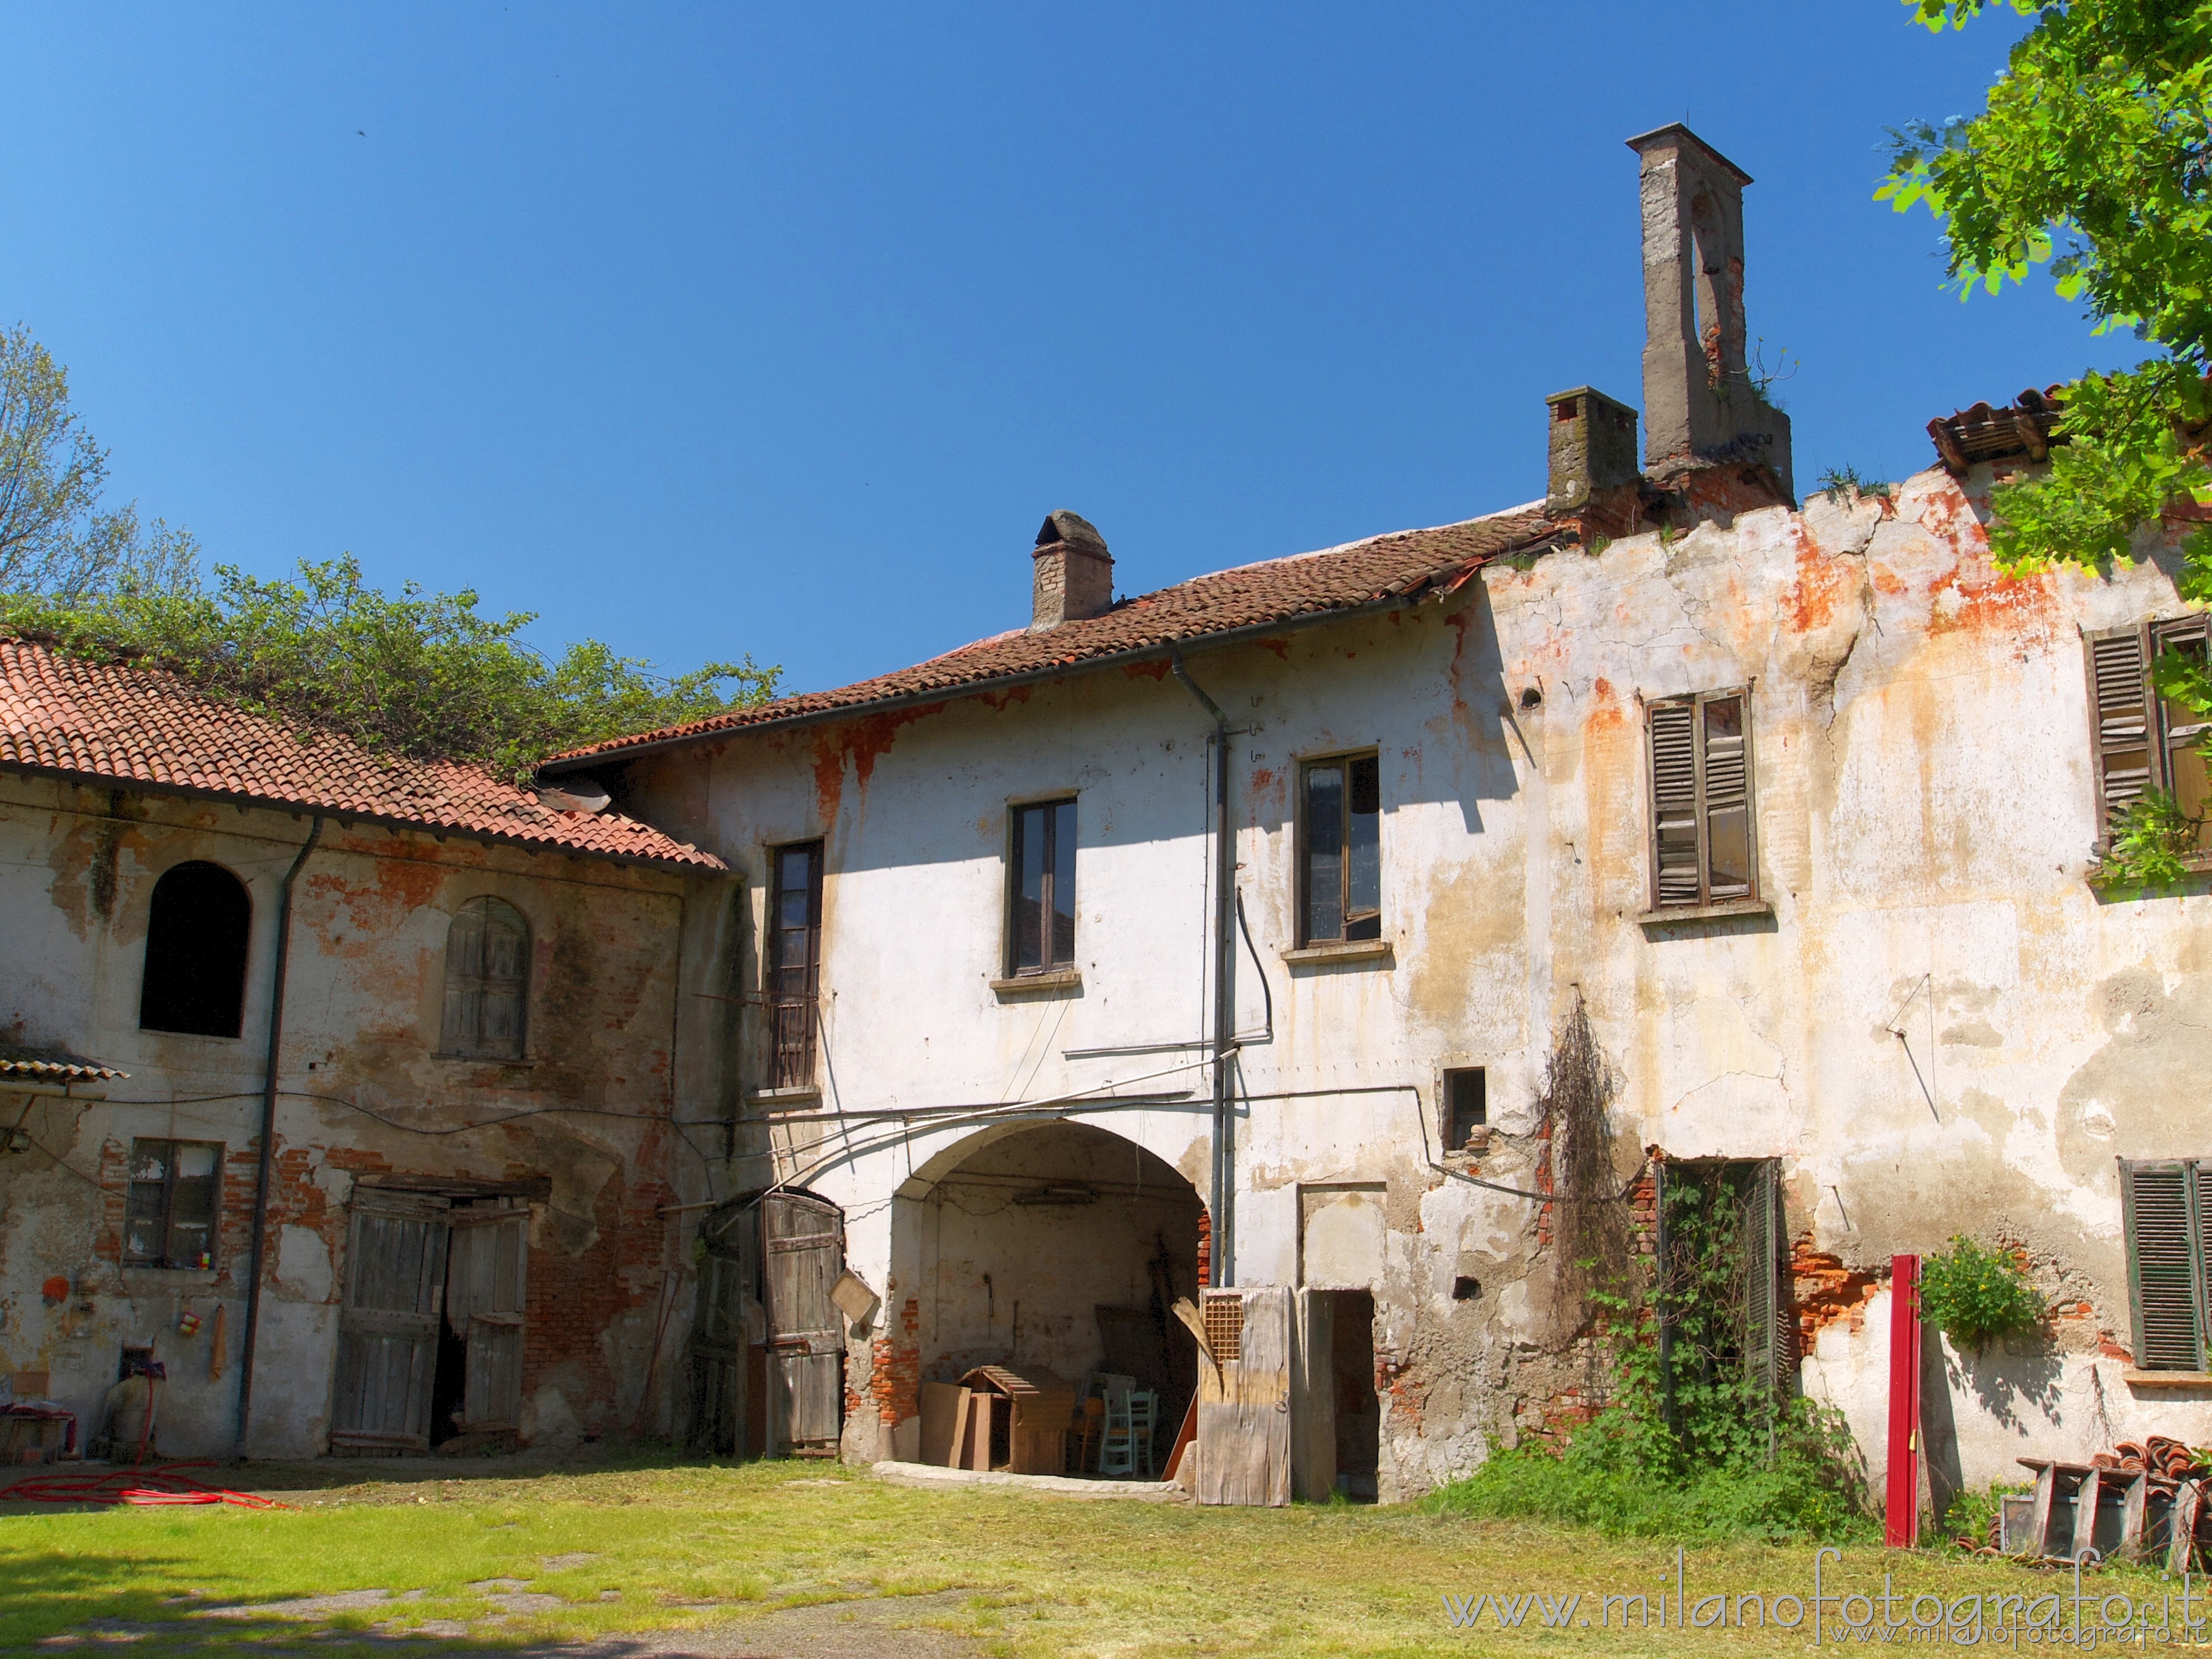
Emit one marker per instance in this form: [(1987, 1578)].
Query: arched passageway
[(1060, 1247)]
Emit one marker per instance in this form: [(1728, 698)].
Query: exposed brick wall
[(894, 1368), (1824, 1290), (1204, 1248)]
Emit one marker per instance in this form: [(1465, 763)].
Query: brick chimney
[(1074, 576), (1593, 448), (1700, 409)]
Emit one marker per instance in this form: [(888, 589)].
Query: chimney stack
[(1700, 409), (1593, 448), (1073, 575)]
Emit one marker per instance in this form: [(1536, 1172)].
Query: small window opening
[(1563, 411), (1465, 1289), (170, 1213), (197, 931), (1343, 863), (1041, 878), (1467, 1108), (794, 963)]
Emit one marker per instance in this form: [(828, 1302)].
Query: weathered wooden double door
[(414, 1262), (765, 1323)]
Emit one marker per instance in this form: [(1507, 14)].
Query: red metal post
[(1901, 1510)]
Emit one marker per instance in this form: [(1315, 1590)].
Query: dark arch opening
[(197, 933)]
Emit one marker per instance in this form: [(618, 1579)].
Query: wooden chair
[(1144, 1418), (1117, 1443)]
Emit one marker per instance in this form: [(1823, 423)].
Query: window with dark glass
[(1341, 857), (794, 962), (2142, 741), (197, 932), (1041, 878), (169, 1219), (1703, 846)]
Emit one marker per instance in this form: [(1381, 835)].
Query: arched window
[(486, 981), (195, 940)]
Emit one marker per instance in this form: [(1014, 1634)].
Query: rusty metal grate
[(1224, 1324)]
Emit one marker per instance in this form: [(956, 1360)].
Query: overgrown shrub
[(1973, 1295), (1607, 1478), (1697, 1443)]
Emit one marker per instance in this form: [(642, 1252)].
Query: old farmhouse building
[(1345, 943)]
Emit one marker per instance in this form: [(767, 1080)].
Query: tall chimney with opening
[(1073, 574), (1701, 411)]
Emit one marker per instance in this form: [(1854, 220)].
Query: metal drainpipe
[(1223, 1201), (267, 1158)]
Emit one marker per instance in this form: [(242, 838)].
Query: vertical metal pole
[(1901, 1507), (1223, 1200), (259, 1248)]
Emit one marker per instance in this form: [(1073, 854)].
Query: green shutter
[(2166, 1237)]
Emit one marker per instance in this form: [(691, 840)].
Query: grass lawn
[(687, 1546)]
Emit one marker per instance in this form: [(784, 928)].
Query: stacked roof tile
[(1404, 565), (65, 716), (51, 1065)]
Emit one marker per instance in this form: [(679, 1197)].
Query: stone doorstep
[(935, 1476)]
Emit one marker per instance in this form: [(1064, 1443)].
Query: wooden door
[(802, 1254), (728, 1275), (395, 1279), (1313, 1398), (1245, 1400), (485, 1293)]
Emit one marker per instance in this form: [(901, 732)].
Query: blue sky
[(714, 329)]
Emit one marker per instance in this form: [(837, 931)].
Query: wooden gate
[(485, 1301), (1244, 1398), (729, 1276), (395, 1279), (802, 1254)]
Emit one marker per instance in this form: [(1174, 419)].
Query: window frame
[(1702, 807), (456, 1044), (1302, 852), (170, 1181), (2150, 637), (1049, 964), (793, 1060)]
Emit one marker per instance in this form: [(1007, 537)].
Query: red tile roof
[(68, 716), (1406, 565), (1983, 433)]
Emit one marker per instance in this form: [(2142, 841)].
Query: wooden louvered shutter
[(2119, 721), (505, 978), (465, 952), (2180, 731), (2160, 1214), (1674, 858), (1724, 779)]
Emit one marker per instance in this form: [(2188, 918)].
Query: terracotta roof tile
[(51, 1065), (1405, 564), (64, 715)]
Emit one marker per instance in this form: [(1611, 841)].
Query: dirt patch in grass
[(770, 1558)]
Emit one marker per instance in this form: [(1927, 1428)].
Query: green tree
[(423, 675), (2093, 156), (55, 537)]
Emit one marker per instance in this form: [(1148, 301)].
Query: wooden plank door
[(1313, 1398), (802, 1254), (395, 1279), (728, 1275), (485, 1295), (1244, 1407)]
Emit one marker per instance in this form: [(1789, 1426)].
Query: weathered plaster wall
[(364, 1090), (1924, 817)]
